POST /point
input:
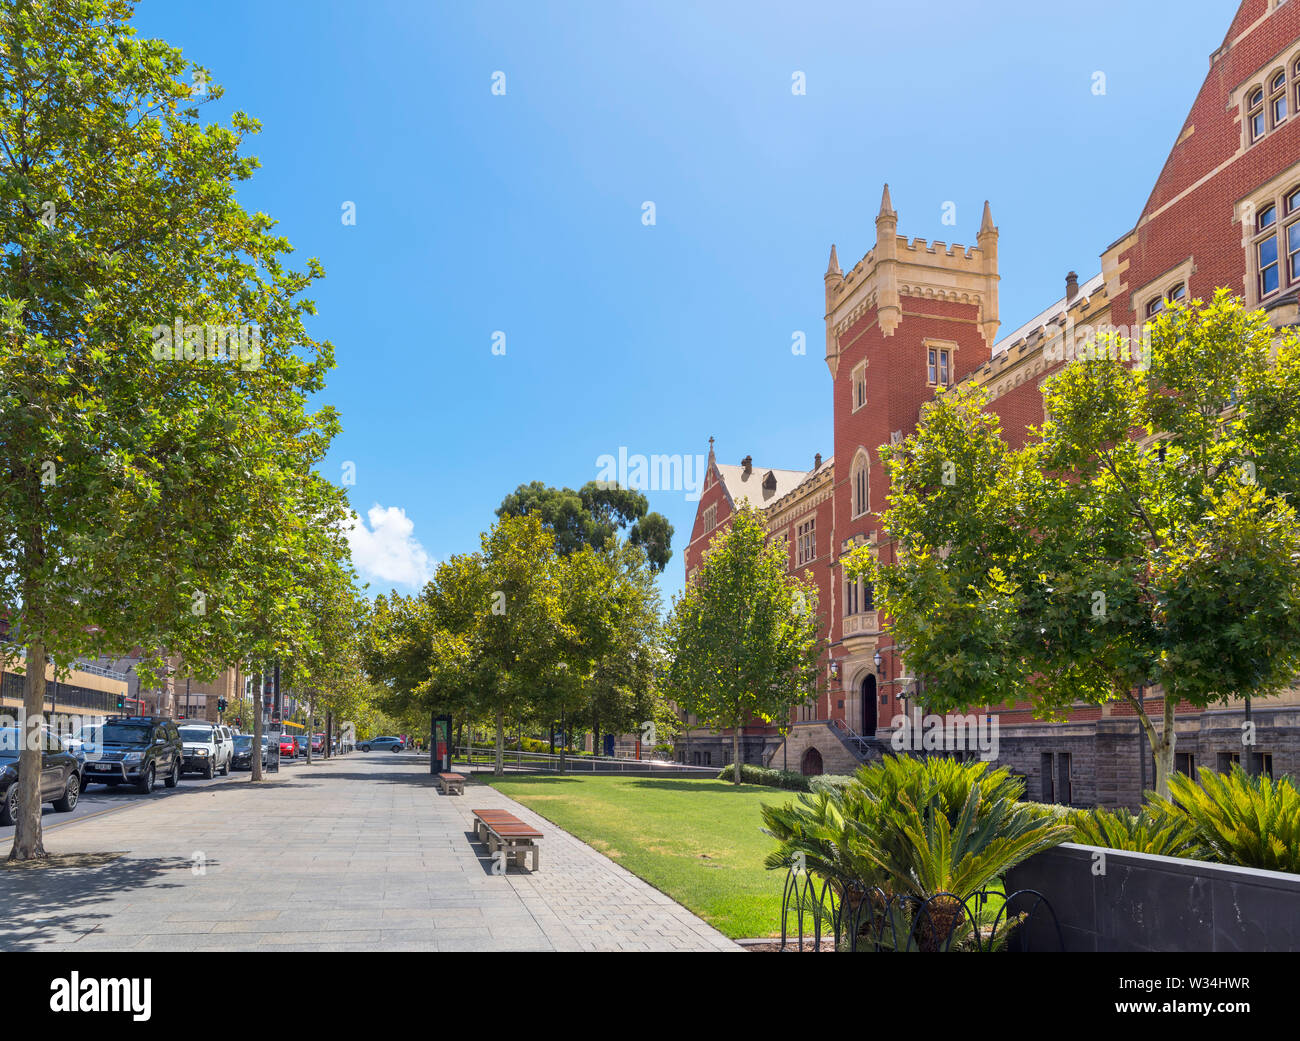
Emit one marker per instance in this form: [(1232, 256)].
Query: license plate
[(100, 766)]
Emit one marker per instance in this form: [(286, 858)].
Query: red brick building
[(911, 316)]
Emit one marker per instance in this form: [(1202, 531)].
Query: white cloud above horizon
[(387, 550)]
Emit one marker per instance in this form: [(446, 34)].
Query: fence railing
[(854, 917), (544, 762)]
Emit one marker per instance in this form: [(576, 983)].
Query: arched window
[(1277, 97), (860, 479), (1255, 113), (1155, 306)]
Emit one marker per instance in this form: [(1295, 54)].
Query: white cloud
[(386, 550)]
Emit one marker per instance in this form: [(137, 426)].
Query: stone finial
[(833, 268), (986, 225), (886, 205)]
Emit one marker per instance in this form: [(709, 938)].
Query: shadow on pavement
[(43, 902)]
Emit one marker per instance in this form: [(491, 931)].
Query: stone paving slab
[(352, 854)]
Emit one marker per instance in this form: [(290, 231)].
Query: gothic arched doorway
[(869, 707), (811, 764)]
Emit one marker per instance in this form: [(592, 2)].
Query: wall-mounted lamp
[(879, 660)]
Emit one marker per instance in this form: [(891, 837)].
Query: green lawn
[(697, 841)]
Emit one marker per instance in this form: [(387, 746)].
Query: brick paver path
[(357, 853)]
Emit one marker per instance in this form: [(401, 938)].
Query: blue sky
[(522, 212)]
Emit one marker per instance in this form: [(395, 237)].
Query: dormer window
[(769, 482)]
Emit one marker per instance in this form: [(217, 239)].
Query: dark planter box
[(1147, 903)]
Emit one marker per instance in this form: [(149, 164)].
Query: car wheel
[(174, 778), (225, 768), (209, 771), (364, 748), (9, 808), (145, 784), (71, 793), (397, 748)]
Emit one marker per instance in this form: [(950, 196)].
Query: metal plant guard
[(869, 919)]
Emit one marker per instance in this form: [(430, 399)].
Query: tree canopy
[(1144, 537)]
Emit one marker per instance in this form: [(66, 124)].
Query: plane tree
[(1145, 537), (154, 365)]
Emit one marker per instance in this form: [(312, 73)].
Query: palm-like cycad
[(1253, 821)]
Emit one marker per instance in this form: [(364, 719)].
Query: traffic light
[(221, 704), (121, 702)]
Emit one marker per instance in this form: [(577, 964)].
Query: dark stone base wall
[(1108, 900), (715, 750), (1105, 755)]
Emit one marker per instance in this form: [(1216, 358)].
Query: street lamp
[(879, 659)]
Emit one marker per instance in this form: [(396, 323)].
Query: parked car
[(288, 746), (206, 749), (60, 774), (379, 744), (137, 750), (243, 746), (84, 740), (317, 744)]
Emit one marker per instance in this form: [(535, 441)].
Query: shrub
[(829, 782), (915, 827), (1153, 830), (1240, 819), (767, 776)]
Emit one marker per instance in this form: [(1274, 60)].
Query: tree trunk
[(500, 768), (735, 755), (595, 734), (257, 730), (27, 832), (1162, 744), (311, 723)]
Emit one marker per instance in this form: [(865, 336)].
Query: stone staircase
[(841, 749)]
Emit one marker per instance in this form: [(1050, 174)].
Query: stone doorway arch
[(811, 764), (869, 708)]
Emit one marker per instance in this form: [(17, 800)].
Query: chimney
[(1071, 287), (817, 461), (748, 464)]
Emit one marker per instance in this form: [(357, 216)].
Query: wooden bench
[(452, 784), (504, 832)]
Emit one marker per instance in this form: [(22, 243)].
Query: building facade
[(911, 317)]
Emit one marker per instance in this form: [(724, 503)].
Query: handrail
[(584, 762)]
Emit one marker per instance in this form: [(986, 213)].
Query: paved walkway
[(359, 853)]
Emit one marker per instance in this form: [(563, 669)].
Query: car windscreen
[(196, 734), (130, 734), (243, 741)]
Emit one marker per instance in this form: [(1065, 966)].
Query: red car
[(317, 744), (288, 746)]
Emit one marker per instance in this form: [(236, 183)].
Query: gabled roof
[(1044, 317), (751, 487)]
